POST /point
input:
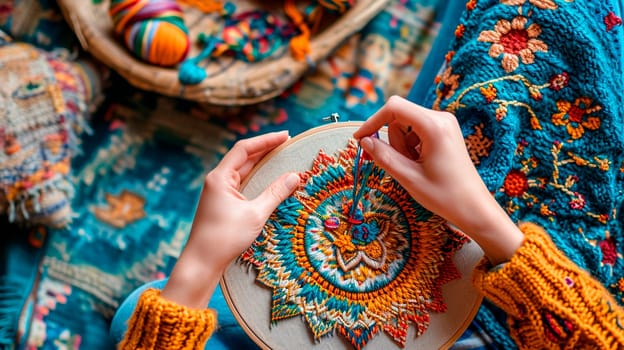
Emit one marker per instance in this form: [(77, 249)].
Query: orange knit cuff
[(158, 323), (537, 267), (550, 301)]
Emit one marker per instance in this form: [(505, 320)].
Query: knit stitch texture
[(162, 324), (537, 86), (550, 303)]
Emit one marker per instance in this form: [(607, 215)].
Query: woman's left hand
[(226, 223)]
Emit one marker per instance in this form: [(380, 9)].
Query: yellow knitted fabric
[(550, 302), (158, 323)]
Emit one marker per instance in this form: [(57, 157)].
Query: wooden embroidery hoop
[(250, 302)]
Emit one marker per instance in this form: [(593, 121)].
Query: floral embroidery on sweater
[(522, 76)]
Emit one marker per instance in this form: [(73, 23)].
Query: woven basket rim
[(241, 83)]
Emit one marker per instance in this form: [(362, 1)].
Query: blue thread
[(189, 72), (365, 233)]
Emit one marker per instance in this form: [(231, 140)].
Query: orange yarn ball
[(153, 30)]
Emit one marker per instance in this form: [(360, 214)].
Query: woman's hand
[(427, 155), (226, 223)]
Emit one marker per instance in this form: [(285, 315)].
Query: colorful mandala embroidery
[(380, 268)]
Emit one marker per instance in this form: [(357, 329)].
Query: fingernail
[(292, 180), (367, 143)]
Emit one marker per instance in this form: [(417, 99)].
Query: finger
[(401, 168), (276, 193), (246, 168), (400, 110), (245, 149), (396, 136)]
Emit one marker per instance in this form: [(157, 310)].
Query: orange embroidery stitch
[(543, 4), (378, 266), (449, 83), (577, 117), (478, 145)]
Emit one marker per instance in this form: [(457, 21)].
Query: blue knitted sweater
[(538, 88)]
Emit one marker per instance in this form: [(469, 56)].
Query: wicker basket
[(229, 81)]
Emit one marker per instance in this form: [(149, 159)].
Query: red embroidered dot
[(515, 41), (609, 254), (459, 31), (449, 55), (559, 81), (612, 20), (516, 184), (332, 223), (576, 114)]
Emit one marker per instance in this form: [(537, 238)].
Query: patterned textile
[(342, 259), (135, 198), (43, 104), (139, 174), (537, 86)]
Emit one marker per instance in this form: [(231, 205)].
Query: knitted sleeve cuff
[(548, 298), (158, 323)]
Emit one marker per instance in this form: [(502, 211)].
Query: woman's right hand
[(427, 155)]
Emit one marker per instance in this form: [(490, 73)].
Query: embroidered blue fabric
[(141, 171), (77, 279), (556, 98)]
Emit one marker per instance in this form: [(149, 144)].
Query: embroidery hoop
[(250, 302)]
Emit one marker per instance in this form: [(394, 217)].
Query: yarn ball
[(153, 30)]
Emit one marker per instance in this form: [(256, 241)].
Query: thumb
[(392, 161), (276, 193)]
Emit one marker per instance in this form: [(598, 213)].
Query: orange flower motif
[(543, 4), (545, 210), (449, 83), (489, 93), (516, 183), (514, 41), (577, 116)]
